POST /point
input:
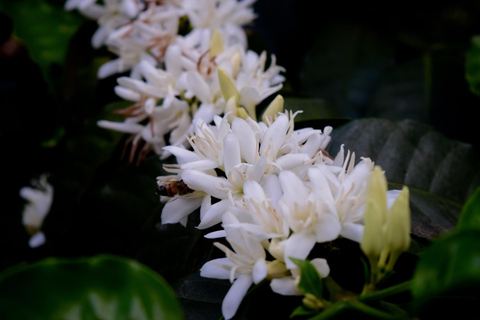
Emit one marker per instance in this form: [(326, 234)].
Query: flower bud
[(397, 230), (216, 45), (374, 215), (273, 108), (227, 86)]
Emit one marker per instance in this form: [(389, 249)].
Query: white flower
[(111, 15), (310, 219), (226, 15), (243, 266), (39, 199), (288, 286)]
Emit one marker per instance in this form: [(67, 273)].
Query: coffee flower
[(39, 199)]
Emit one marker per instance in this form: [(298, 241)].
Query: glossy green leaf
[(446, 281), (310, 280), (440, 172), (100, 287), (470, 216), (473, 65)]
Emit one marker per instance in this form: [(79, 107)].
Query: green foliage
[(447, 278), (100, 287), (310, 280), (45, 29), (470, 216), (472, 73)]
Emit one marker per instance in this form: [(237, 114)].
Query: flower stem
[(390, 291)]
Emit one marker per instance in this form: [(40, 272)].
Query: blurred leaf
[(473, 65), (201, 298), (441, 173), (46, 29), (101, 287), (310, 280), (470, 215), (447, 277)]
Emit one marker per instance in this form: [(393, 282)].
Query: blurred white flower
[(39, 199)]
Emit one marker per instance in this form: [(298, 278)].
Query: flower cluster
[(275, 192), (272, 192), (174, 78)]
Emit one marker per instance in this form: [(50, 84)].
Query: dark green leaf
[(310, 280), (101, 287), (447, 278), (201, 298), (473, 65), (441, 173), (470, 216), (48, 40)]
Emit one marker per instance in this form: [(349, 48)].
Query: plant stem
[(390, 291)]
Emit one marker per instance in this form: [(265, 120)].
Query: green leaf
[(472, 73), (440, 172), (470, 216), (45, 29), (447, 278), (310, 280), (100, 287)]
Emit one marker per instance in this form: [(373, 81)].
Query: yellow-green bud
[(227, 86), (374, 215), (273, 108), (216, 44), (397, 229), (242, 113), (232, 108), (313, 302), (276, 269), (235, 61)]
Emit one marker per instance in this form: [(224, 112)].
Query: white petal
[(246, 138), (271, 186), (216, 234), (254, 190), (294, 190), (212, 270), (200, 165), (391, 197), (174, 211), (110, 68), (172, 63), (36, 240), (231, 149), (322, 266), (298, 246), (285, 286), (209, 184), (327, 228), (235, 295), (126, 93), (352, 231), (259, 270), (275, 134), (214, 214), (183, 155), (198, 86), (132, 128), (290, 161)]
